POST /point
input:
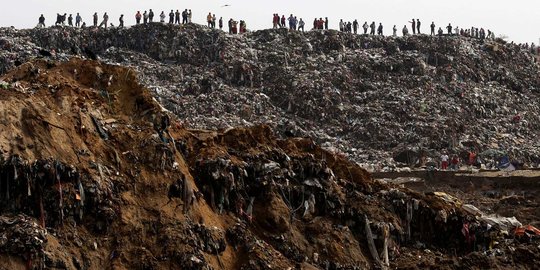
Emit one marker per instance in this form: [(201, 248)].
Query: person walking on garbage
[(171, 17), (70, 20), (418, 26), (41, 21), (162, 17), (432, 28), (177, 17), (372, 27), (365, 26), (138, 17), (301, 25), (413, 25), (444, 161), (326, 23), (185, 17), (209, 19), (145, 17), (405, 31), (121, 21), (78, 20), (105, 20), (150, 15), (95, 19)]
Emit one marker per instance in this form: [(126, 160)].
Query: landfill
[(182, 147)]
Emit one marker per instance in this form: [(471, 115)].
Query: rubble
[(380, 95), (263, 174)]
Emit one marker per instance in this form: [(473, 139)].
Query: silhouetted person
[(171, 17), (145, 17), (151, 16), (220, 23), (326, 23), (449, 28), (121, 21), (380, 29), (78, 20), (432, 28), (177, 17), (413, 26), (95, 19), (365, 26), (372, 28), (355, 26), (138, 17), (418, 26), (70, 20), (105, 20), (41, 21)]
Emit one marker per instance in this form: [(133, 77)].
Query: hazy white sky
[(518, 19)]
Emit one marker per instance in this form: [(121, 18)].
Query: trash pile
[(108, 173), (368, 97)]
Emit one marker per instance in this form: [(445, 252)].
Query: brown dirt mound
[(118, 183)]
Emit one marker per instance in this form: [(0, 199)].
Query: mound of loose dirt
[(102, 177)]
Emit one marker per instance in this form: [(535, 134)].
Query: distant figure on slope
[(138, 17), (413, 26), (365, 26), (394, 31), (432, 28), (380, 29), (95, 19), (449, 28), (418, 23), (162, 17), (41, 21), (70, 20), (78, 20), (105, 20), (151, 16), (121, 21), (372, 27), (405, 31)]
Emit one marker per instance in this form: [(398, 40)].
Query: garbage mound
[(95, 173), (371, 98)]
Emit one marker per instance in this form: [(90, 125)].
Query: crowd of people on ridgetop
[(291, 22)]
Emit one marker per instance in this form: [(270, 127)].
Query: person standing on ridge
[(151, 16), (372, 28), (145, 17), (171, 17), (78, 20), (326, 23), (380, 29), (189, 16), (355, 26), (220, 23), (301, 25), (162, 17), (413, 23), (209, 19), (405, 31), (283, 20), (70, 20), (394, 31), (105, 20), (177, 17), (432, 28), (214, 21), (138, 17), (449, 28), (95, 19), (41, 21), (418, 26), (121, 21), (365, 26), (184, 16)]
